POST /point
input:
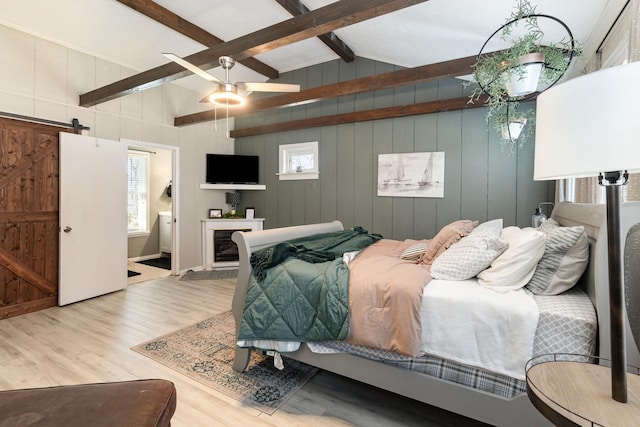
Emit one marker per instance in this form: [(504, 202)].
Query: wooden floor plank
[(91, 341)]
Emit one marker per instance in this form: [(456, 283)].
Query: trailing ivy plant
[(232, 215), (493, 70)]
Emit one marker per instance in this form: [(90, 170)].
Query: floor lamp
[(590, 126)]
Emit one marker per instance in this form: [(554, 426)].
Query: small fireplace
[(218, 250), (224, 249)]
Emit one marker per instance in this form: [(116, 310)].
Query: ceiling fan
[(227, 92)]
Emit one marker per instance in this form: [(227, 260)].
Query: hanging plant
[(502, 75), (515, 127)]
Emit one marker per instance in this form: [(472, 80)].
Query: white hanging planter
[(524, 80), (513, 129)]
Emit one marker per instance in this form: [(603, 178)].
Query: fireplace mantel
[(209, 226)]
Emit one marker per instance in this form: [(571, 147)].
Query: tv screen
[(232, 169)]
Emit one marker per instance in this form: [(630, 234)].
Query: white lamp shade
[(589, 124)]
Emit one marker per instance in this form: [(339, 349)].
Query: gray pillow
[(566, 255)]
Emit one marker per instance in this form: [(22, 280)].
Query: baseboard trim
[(144, 257)]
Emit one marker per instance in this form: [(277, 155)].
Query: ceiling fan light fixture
[(226, 95)]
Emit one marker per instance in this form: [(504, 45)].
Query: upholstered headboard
[(595, 280)]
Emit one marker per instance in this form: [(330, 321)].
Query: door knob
[(67, 229)]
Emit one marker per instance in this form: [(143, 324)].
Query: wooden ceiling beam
[(169, 19), (361, 116), (312, 24), (393, 79), (296, 7)]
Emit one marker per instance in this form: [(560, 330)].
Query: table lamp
[(590, 126)]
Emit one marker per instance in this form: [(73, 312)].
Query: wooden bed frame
[(453, 397)]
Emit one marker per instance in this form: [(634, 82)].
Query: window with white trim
[(137, 193), (298, 161)]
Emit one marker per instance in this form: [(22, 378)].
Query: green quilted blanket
[(299, 290)]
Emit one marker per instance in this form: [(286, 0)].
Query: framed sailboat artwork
[(411, 174)]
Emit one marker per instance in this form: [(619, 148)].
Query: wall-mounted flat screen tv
[(232, 169)]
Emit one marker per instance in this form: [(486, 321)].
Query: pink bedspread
[(385, 293)]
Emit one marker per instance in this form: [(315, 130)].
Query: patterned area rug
[(205, 352)]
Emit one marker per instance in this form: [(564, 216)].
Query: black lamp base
[(613, 185)]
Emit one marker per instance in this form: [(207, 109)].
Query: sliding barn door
[(28, 217), (93, 217)]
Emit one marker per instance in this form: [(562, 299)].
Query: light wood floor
[(90, 341), (147, 272)]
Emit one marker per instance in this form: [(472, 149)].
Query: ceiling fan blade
[(189, 66), (268, 87)]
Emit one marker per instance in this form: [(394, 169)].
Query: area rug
[(131, 273), (162, 262), (210, 274), (205, 352)]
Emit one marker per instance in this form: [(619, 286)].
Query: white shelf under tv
[(232, 187)]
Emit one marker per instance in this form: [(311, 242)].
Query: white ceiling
[(430, 32)]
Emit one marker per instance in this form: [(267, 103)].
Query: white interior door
[(93, 217)]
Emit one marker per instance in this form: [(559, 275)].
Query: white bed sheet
[(475, 326)]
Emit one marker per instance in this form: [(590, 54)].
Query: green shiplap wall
[(481, 181)]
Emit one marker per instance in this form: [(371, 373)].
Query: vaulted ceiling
[(432, 38)]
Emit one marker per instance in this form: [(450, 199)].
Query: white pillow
[(515, 267), (468, 257), (492, 228)]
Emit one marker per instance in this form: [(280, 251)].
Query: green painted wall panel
[(346, 174), (328, 153), (426, 140), (365, 168), (475, 161), (482, 181), (382, 206), (501, 187), (450, 141)]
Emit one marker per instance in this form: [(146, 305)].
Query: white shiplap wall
[(42, 79)]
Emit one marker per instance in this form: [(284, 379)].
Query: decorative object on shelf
[(539, 217), (579, 134), (215, 213), (232, 199), (232, 214), (249, 213), (520, 72)]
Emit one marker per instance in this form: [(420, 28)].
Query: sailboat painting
[(411, 174)]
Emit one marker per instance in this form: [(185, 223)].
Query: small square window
[(299, 161)]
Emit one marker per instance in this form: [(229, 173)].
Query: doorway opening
[(154, 251)]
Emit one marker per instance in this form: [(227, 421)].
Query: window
[(138, 193), (298, 161)]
